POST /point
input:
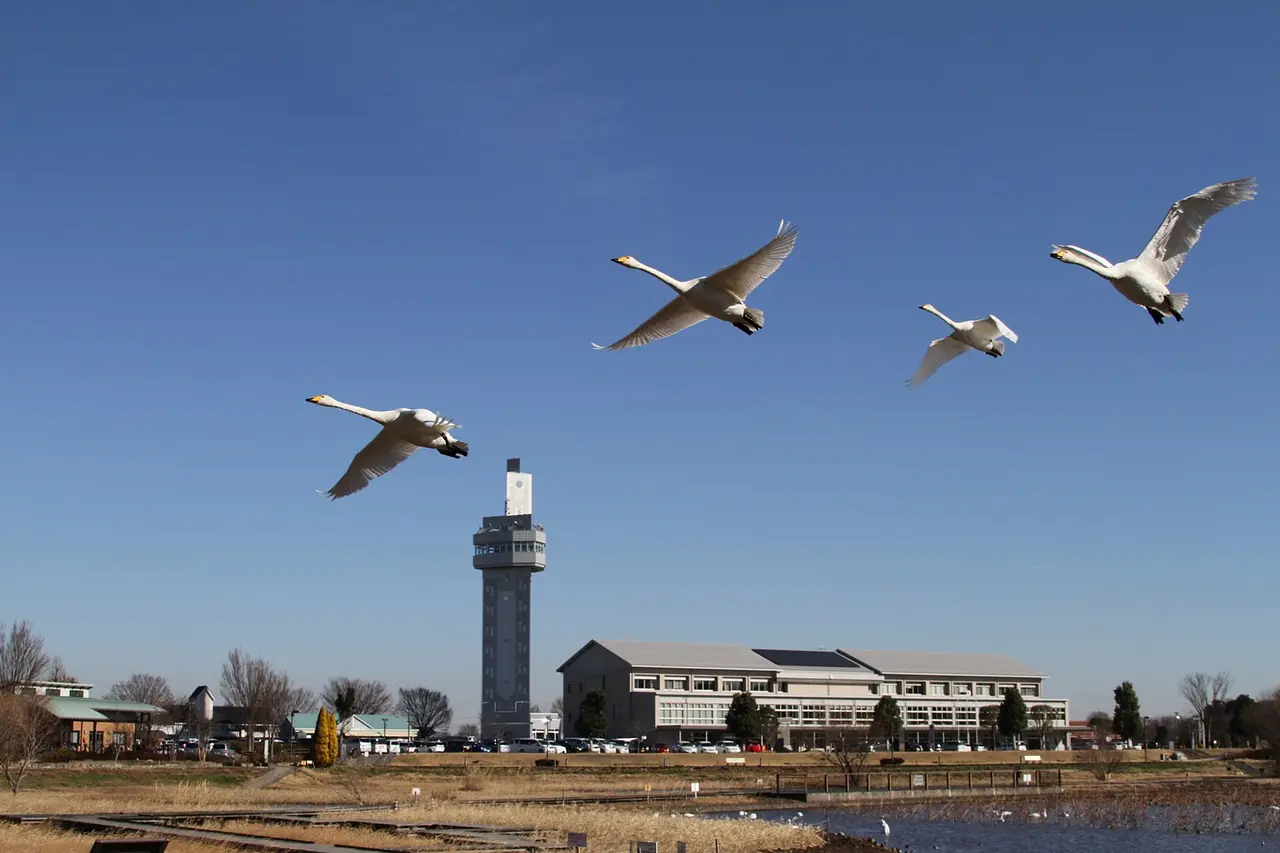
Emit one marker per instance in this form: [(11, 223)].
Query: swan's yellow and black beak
[(1058, 253), (315, 399), (622, 260)]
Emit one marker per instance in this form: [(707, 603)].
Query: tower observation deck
[(509, 548)]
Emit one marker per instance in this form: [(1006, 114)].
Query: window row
[(955, 688), (511, 548), (707, 683)]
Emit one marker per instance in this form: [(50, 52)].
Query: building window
[(942, 716), (675, 683), (704, 682), (732, 685), (787, 713), (964, 689), (118, 738), (77, 694), (840, 715), (866, 713), (646, 682), (938, 688), (782, 687), (52, 691), (1029, 689), (759, 685), (917, 715), (915, 688), (984, 690)]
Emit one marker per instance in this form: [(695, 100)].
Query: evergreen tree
[(592, 718), (1126, 721), (886, 720), (1012, 721), (743, 718), (325, 739)]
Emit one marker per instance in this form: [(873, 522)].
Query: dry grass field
[(452, 791)]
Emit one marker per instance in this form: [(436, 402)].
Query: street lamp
[(1177, 719), (1145, 741)]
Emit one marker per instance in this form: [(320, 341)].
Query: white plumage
[(982, 335), (721, 295), (1144, 280), (403, 432)]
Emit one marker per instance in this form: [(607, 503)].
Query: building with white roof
[(670, 692)]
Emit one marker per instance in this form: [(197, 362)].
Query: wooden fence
[(914, 780)]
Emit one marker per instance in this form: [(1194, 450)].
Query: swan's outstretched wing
[(744, 276), (435, 422), (676, 316), (1186, 218), (940, 352), (374, 459), (994, 327)]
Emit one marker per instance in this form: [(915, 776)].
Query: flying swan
[(721, 295), (403, 432), (1144, 280), (981, 335)]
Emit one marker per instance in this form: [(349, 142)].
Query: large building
[(670, 692), (509, 548)]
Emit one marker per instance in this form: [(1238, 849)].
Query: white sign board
[(917, 780)]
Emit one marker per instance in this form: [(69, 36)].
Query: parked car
[(755, 747), (529, 745), (220, 752), (686, 747), (577, 744), (728, 746), (956, 746), (707, 746), (661, 747)]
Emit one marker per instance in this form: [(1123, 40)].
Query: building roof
[(679, 655), (198, 693), (355, 726), (941, 663), (792, 658), (68, 708)]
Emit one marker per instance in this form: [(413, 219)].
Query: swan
[(981, 335), (403, 432), (721, 295), (1144, 280), (885, 824)]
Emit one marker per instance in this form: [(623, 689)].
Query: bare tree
[(1102, 761), (426, 710), (469, 730), (141, 687), (1042, 719), (1202, 691), (351, 696), (22, 655), (847, 748), (557, 706), (58, 672), (251, 683), (302, 699), (27, 730)]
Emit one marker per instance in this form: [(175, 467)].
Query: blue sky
[(212, 211)]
